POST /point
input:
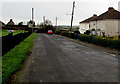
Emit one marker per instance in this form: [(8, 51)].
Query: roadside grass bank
[(12, 61)]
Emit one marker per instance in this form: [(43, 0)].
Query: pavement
[(57, 59)]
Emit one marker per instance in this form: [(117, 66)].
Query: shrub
[(98, 40), (102, 41)]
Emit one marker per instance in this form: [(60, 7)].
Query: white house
[(105, 24), (85, 25), (108, 22)]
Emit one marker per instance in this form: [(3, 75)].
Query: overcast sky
[(21, 10)]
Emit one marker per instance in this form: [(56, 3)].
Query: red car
[(50, 32)]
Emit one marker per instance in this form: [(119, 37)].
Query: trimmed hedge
[(98, 40), (102, 41)]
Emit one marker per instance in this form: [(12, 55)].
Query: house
[(10, 22), (1, 24), (31, 23), (106, 24), (85, 24)]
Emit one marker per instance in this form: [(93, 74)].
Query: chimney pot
[(110, 8)]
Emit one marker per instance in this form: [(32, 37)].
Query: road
[(57, 59)]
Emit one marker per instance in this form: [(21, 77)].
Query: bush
[(87, 38), (98, 40), (102, 41)]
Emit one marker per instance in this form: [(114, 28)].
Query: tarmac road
[(57, 59)]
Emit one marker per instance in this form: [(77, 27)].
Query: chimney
[(110, 8), (94, 15)]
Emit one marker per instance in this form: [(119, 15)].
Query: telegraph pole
[(44, 19), (44, 22), (72, 16), (32, 14), (56, 22), (32, 18)]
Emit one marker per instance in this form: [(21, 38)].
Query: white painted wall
[(93, 24), (83, 27), (119, 27), (110, 26), (101, 25)]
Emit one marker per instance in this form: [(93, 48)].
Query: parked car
[(50, 32)]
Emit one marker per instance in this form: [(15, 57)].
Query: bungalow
[(31, 23), (85, 25), (10, 22), (2, 24), (105, 24)]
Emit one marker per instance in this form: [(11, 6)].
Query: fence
[(10, 41)]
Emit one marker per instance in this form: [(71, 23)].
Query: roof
[(110, 14), (94, 17), (10, 22), (1, 23)]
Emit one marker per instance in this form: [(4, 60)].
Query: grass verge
[(13, 60)]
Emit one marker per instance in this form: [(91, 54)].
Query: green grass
[(5, 32), (13, 60)]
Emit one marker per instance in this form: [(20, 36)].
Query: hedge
[(102, 41), (98, 40)]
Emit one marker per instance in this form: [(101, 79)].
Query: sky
[(20, 10)]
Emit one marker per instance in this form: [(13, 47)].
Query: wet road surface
[(57, 59)]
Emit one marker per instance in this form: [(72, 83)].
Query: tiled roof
[(110, 14), (1, 23), (10, 22), (94, 17)]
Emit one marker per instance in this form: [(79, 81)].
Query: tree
[(31, 23), (20, 23), (46, 25)]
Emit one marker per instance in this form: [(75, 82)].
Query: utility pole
[(44, 19), (72, 16), (56, 22), (32, 18), (44, 22), (32, 14)]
